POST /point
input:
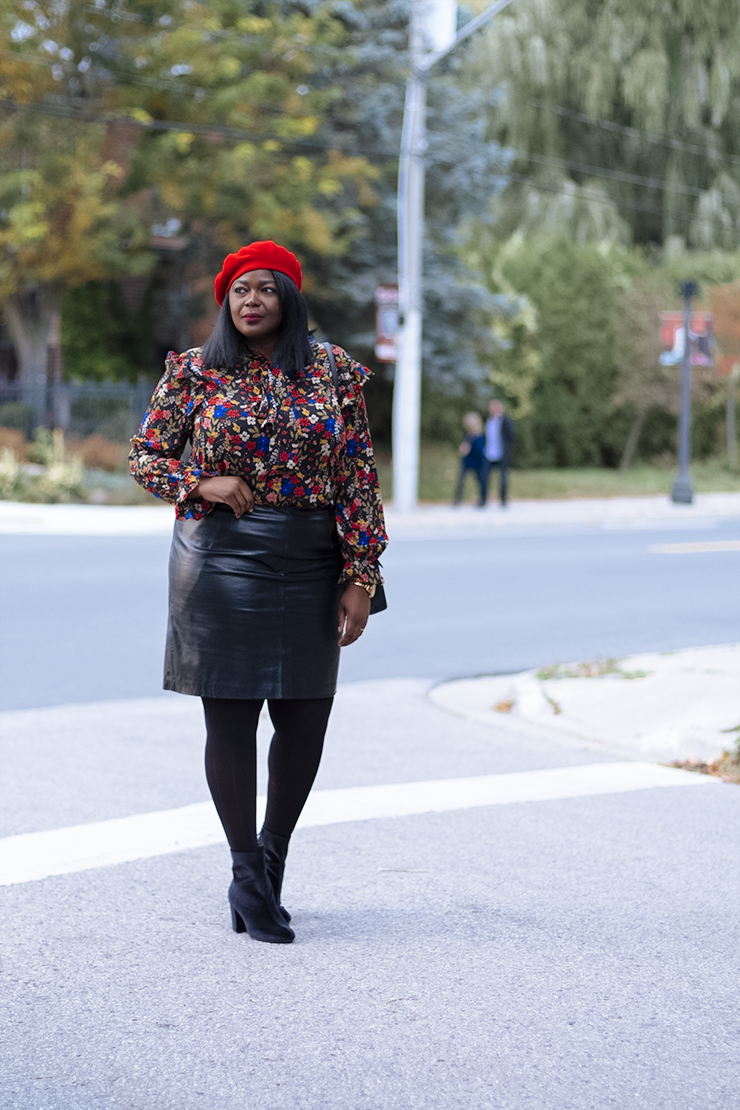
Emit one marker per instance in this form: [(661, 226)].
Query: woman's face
[(255, 307)]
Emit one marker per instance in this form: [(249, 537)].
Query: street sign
[(701, 336), (386, 323)]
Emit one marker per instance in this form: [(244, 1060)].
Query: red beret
[(257, 256)]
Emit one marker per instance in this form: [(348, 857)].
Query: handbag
[(378, 602)]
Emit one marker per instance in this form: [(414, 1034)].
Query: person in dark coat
[(500, 437), (472, 456)]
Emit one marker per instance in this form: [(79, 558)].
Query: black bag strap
[(333, 364), (378, 603)]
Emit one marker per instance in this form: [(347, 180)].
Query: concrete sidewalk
[(482, 923), (20, 518), (658, 706), (609, 512)]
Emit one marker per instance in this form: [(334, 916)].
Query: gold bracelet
[(369, 590)]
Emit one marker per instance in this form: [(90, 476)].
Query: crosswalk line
[(40, 855)]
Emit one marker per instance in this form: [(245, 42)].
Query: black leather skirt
[(253, 605)]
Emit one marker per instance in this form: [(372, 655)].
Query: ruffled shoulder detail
[(189, 366), (351, 374)]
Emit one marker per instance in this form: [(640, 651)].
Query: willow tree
[(625, 117)]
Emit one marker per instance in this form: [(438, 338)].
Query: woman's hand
[(228, 491), (354, 609)]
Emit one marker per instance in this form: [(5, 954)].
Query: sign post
[(689, 340), (683, 492)]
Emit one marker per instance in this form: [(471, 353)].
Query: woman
[(472, 456), (278, 532)]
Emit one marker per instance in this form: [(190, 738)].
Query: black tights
[(231, 762)]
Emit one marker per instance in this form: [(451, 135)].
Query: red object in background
[(726, 364), (724, 301), (701, 336)]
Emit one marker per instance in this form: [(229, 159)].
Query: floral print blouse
[(294, 442)]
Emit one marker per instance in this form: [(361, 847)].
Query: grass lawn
[(106, 478), (439, 468)]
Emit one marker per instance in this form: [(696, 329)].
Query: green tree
[(625, 117), (252, 165), (173, 114), (60, 225), (60, 220), (574, 290), (647, 391)]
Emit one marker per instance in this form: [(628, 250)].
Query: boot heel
[(253, 907)]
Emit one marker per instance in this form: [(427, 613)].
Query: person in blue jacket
[(472, 456), (499, 440)]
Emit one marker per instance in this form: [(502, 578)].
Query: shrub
[(60, 477), (61, 481), (98, 452), (46, 447), (10, 475), (15, 414), (15, 441)]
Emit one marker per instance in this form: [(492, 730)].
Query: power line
[(62, 111), (558, 109), (634, 133), (616, 175), (230, 132), (81, 115), (541, 186), (599, 171)]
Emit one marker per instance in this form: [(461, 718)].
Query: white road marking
[(697, 548), (39, 855)]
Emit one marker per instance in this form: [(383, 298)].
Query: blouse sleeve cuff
[(366, 571), (189, 480)]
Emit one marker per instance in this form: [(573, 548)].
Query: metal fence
[(110, 409)]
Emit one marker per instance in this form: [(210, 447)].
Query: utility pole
[(682, 492), (407, 386)]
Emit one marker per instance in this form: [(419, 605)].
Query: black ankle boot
[(253, 906), (276, 849)]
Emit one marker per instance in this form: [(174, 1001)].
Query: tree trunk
[(631, 445), (29, 316)]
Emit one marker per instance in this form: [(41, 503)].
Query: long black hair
[(292, 352)]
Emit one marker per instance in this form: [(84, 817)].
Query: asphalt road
[(571, 954), (84, 617)]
